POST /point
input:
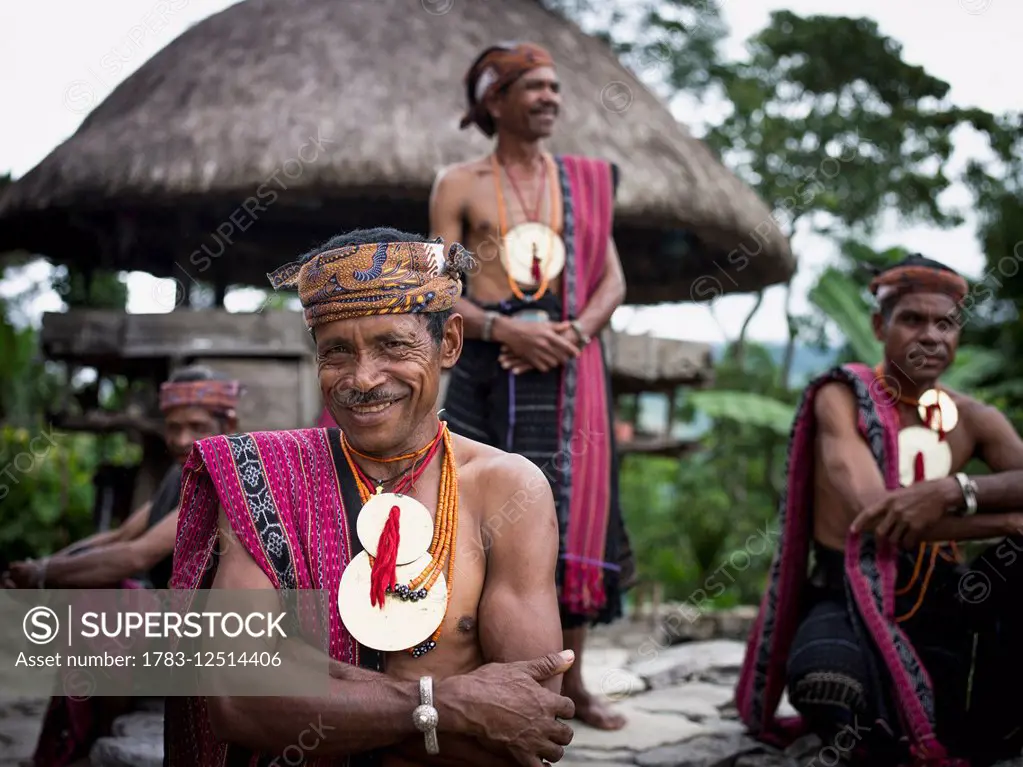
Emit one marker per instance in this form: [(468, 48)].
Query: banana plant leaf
[(838, 296), (746, 408)]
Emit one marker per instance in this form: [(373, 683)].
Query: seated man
[(195, 403), (378, 304), (892, 648)]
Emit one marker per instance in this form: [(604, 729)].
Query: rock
[(762, 760), (643, 731), (805, 748), (676, 664), (720, 677), (127, 752), (735, 623), (21, 720), (705, 750), (601, 757), (697, 701), (141, 725), (684, 623), (605, 671)]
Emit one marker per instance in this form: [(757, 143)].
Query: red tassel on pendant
[(918, 468), (536, 270), (385, 564)]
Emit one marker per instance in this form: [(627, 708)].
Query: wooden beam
[(99, 421), (665, 446)]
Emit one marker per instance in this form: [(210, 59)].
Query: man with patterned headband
[(891, 646), (531, 379), (195, 403), (440, 656)]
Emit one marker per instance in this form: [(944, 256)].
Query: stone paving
[(677, 697)]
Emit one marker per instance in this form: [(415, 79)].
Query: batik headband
[(495, 68), (910, 279), (215, 395), (376, 278)]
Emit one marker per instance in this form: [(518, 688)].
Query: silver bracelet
[(41, 579), (488, 325), (425, 715), (969, 488)]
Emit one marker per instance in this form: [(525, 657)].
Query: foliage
[(833, 129), (97, 290), (26, 387), (47, 490), (748, 407), (829, 119)]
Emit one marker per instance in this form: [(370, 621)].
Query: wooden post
[(672, 402)]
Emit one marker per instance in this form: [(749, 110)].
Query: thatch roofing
[(328, 115), (640, 363)]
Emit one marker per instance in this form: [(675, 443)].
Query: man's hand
[(518, 364), (22, 575), (505, 706), (903, 515), (542, 346)]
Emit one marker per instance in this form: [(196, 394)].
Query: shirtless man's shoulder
[(461, 175), (501, 477), (834, 398)]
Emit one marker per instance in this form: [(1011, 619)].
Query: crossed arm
[(518, 618), (916, 513)]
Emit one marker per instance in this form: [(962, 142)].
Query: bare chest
[(491, 214)]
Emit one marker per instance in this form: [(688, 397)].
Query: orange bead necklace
[(445, 530)]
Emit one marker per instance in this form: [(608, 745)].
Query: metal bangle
[(488, 325), (578, 328), (425, 715), (969, 488)]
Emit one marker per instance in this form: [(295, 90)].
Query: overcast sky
[(56, 57)]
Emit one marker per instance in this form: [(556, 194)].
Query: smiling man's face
[(380, 376)]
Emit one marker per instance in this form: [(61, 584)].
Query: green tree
[(832, 127)]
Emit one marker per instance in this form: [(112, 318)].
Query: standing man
[(196, 403), (531, 379), (894, 647)]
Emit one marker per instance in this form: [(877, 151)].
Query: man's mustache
[(357, 397)]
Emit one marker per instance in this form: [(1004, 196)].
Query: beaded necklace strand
[(543, 278), (936, 549), (445, 530)]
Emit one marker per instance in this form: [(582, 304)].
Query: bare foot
[(595, 712)]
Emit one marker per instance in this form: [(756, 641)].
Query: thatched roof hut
[(277, 123)]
